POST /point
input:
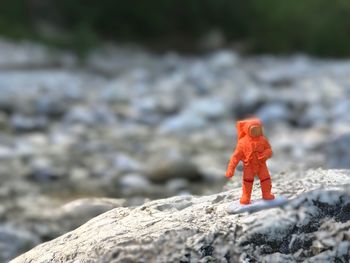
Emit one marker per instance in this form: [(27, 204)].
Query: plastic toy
[(253, 150)]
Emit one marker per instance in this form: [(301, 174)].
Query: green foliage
[(316, 26)]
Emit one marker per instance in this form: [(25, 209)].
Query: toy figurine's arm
[(235, 158), (267, 153)]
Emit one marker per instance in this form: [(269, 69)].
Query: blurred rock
[(134, 184), (14, 241), (90, 115), (22, 123), (79, 175), (315, 114), (52, 107), (223, 59), (182, 123), (167, 169), (126, 164), (4, 122), (23, 54), (211, 109), (42, 170), (338, 152), (273, 112), (177, 185), (77, 212), (280, 72)]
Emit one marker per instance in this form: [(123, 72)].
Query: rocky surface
[(131, 125), (313, 226)]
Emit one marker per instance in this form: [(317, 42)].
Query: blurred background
[(113, 103)]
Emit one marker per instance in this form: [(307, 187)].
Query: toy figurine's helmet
[(251, 127)]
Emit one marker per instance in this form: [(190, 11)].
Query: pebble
[(126, 164), (273, 112), (182, 123), (20, 123), (14, 241), (174, 168)]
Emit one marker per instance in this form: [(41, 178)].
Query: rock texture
[(314, 226), (132, 125)]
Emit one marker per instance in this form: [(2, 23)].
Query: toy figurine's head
[(255, 130), (251, 127)]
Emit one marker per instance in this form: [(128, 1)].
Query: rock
[(134, 184), (200, 77), (277, 72), (112, 60), (340, 108), (168, 105), (152, 109), (90, 116), (182, 123), (211, 109), (6, 153), (78, 175), (126, 164), (337, 152), (274, 112), (167, 169), (77, 212), (23, 54), (114, 92), (22, 123), (315, 115), (223, 59), (198, 229), (14, 241), (177, 185), (4, 123), (49, 106), (42, 170)]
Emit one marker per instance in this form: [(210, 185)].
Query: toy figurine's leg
[(265, 182), (247, 186)]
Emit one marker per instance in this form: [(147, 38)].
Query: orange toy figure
[(253, 149)]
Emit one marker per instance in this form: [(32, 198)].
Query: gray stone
[(211, 108), (337, 152), (23, 54), (75, 213), (50, 106), (125, 164), (198, 229), (14, 241), (90, 115), (315, 114), (133, 184), (182, 123), (41, 169), (167, 169), (177, 185), (22, 123), (274, 112), (223, 59)]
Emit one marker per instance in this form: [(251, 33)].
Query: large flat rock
[(313, 225)]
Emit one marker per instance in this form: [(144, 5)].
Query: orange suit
[(253, 150)]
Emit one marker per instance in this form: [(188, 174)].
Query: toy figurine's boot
[(247, 187), (266, 189)]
